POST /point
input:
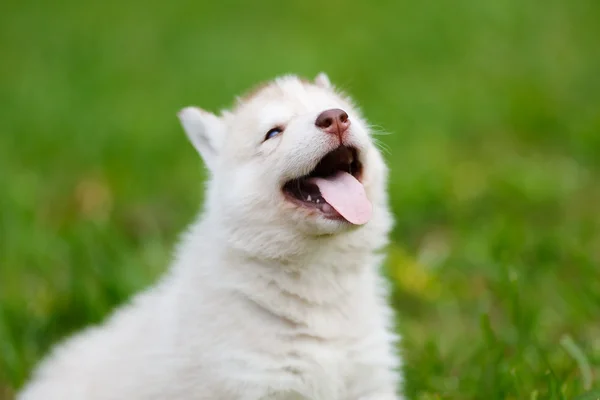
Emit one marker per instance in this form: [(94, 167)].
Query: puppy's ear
[(205, 130), (323, 80)]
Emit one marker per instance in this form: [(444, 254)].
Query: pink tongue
[(347, 195)]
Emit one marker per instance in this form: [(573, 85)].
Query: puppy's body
[(269, 297)]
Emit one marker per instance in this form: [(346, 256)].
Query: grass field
[(494, 113)]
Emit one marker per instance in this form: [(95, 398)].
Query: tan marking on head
[(260, 87)]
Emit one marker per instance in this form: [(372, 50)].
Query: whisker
[(382, 146), (378, 130)]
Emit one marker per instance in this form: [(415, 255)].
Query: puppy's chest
[(309, 367)]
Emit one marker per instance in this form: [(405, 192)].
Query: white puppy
[(274, 292)]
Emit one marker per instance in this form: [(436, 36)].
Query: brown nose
[(334, 121)]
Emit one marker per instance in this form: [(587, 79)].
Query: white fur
[(264, 300)]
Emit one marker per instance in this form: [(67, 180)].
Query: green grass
[(494, 114)]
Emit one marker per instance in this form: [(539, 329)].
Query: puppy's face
[(293, 154)]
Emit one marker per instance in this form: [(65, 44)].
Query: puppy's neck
[(315, 270)]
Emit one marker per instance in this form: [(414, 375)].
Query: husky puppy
[(274, 291)]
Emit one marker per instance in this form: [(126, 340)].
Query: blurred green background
[(493, 109)]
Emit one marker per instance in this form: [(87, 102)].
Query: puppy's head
[(292, 160)]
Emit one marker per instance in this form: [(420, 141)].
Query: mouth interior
[(341, 159), (333, 187)]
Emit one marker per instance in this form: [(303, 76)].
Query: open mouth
[(333, 187)]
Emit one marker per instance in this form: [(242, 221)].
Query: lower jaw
[(324, 209)]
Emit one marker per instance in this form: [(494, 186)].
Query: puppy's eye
[(273, 132)]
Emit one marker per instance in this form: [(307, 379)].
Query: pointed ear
[(205, 130), (323, 80)]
